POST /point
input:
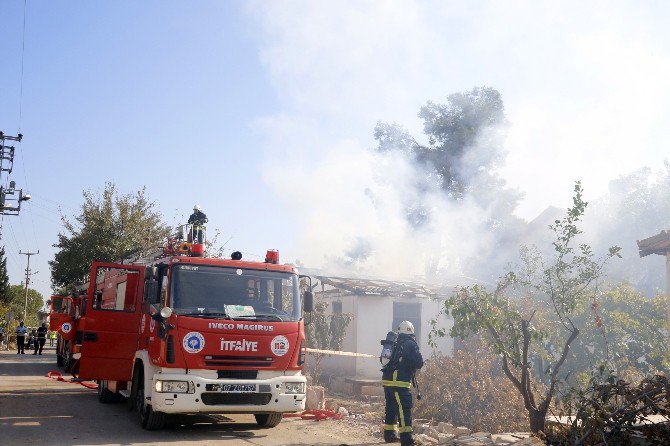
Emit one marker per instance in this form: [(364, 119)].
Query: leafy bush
[(468, 390), (325, 332)]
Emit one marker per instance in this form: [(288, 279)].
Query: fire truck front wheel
[(151, 420), (268, 419)]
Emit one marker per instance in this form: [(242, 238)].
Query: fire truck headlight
[(172, 386), (294, 388)]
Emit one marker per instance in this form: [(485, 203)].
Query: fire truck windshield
[(234, 293)]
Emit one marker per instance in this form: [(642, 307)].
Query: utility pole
[(25, 305), (10, 197)]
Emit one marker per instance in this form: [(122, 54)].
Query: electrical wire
[(11, 231), (9, 253), (57, 203), (48, 217), (23, 52), (23, 231)]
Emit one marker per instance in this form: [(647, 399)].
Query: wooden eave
[(657, 244)]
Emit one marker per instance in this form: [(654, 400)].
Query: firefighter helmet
[(406, 327), (196, 207)]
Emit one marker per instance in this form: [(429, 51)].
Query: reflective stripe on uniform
[(390, 427), (400, 411), (406, 429), (387, 383)]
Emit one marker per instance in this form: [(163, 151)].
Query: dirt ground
[(38, 410)]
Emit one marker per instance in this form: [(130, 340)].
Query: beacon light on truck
[(174, 386), (272, 256)]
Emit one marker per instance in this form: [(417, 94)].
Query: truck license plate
[(238, 388)]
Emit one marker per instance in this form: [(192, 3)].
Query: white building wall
[(430, 310), (372, 319), (375, 318)]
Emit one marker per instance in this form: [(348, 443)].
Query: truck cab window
[(236, 293), (116, 289)]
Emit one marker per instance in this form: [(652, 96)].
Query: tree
[(4, 278), (528, 316), (623, 330), (460, 161), (16, 301), (637, 206), (325, 331), (109, 228), (465, 139)]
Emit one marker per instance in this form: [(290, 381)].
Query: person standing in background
[(21, 333), (41, 338)]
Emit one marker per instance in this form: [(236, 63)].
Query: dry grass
[(468, 389)]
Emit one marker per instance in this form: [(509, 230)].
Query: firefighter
[(397, 378), (198, 220)]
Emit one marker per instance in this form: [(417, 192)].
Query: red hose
[(59, 377), (315, 414)]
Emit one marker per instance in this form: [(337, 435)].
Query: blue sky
[(262, 112), (159, 94)]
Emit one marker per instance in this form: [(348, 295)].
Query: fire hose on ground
[(58, 376)]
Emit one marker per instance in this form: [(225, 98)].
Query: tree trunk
[(537, 420)]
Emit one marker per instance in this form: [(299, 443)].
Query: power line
[(11, 231), (23, 52), (57, 203)]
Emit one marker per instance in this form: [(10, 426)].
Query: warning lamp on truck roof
[(272, 256)]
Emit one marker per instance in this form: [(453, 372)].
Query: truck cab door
[(109, 330)]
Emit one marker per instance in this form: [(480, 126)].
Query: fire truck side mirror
[(151, 294), (150, 273), (308, 301)]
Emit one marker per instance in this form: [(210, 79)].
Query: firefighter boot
[(391, 437)]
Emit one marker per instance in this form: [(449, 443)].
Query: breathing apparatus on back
[(388, 345)]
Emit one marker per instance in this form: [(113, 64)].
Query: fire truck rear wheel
[(59, 356), (105, 396), (268, 419)]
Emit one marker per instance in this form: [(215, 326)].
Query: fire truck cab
[(186, 335), (63, 316)]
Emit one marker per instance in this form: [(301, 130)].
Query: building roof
[(378, 287), (657, 244)]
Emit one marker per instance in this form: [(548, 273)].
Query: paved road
[(42, 411)]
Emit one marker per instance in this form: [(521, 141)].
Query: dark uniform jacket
[(404, 362), (42, 332), (198, 218)]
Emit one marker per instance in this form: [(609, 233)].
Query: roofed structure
[(378, 287), (657, 244)]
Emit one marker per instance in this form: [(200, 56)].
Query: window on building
[(408, 311), (337, 307)]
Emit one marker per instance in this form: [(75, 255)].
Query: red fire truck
[(185, 334), (63, 317)]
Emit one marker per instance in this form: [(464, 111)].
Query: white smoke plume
[(583, 85)]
